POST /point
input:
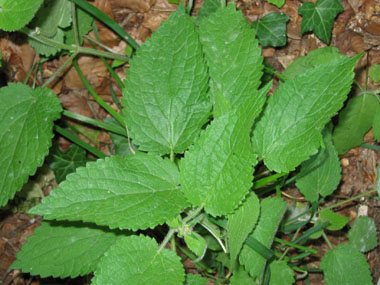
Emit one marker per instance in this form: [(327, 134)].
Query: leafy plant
[(197, 125)]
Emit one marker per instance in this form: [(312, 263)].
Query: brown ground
[(356, 30)]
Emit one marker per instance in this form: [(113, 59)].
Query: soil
[(356, 30)]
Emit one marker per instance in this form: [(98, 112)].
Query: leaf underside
[(363, 234), (289, 130), (136, 192), (64, 249), (135, 260), (165, 96), (26, 130)]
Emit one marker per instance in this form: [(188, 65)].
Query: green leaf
[(278, 3), (272, 212), (271, 29), (15, 14), (84, 21), (337, 222), (208, 7), (314, 58), (363, 235), (64, 163), (196, 244), (234, 60), (240, 277), (320, 174), (165, 96), (289, 130), (345, 265), (281, 273), (64, 249), (136, 192), (195, 279), (26, 130), (376, 124), (48, 50), (374, 72), (319, 18), (220, 164), (355, 120), (241, 224), (135, 260)]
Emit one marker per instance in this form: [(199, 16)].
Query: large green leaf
[(65, 249), (271, 29), (319, 18), (26, 130), (345, 265), (320, 175), (136, 192), (289, 130), (355, 120), (15, 14), (64, 163), (136, 260), (281, 273), (165, 96), (374, 72), (233, 57), (195, 279), (221, 162), (241, 224), (240, 277), (272, 211), (208, 7), (363, 234)]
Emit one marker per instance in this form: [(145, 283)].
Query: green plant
[(194, 107)]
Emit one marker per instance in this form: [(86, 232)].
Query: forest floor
[(356, 30)]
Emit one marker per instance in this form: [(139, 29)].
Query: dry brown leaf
[(134, 5)]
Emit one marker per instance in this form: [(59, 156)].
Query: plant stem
[(349, 200), (73, 48), (327, 240), (75, 24), (171, 155), (370, 146), (98, 99), (311, 250), (79, 142), (59, 70), (168, 236), (192, 214)]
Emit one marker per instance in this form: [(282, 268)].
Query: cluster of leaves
[(197, 110)]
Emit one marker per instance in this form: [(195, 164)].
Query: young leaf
[(165, 96), (196, 243), (314, 58), (289, 130), (15, 14), (374, 72), (136, 192), (26, 130), (84, 21), (195, 279), (272, 211), (208, 7), (345, 265), (217, 171), (278, 3), (320, 175), (64, 163), (271, 29), (234, 59), (241, 224), (64, 249), (319, 18), (363, 235), (376, 124), (241, 277), (281, 273), (355, 120), (136, 260), (337, 222)]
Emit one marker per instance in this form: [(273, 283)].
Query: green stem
[(75, 24), (311, 250), (171, 155), (73, 48), (96, 123), (370, 146), (349, 200), (193, 214), (193, 257), (98, 99), (168, 236), (59, 70), (173, 243), (327, 240), (79, 142)]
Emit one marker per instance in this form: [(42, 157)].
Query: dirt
[(356, 30)]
